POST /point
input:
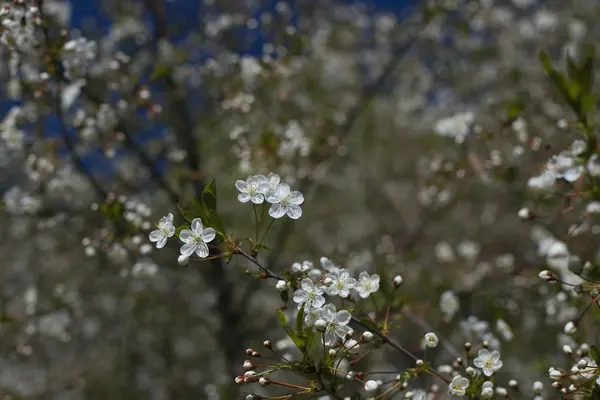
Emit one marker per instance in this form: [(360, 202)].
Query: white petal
[(208, 235), (307, 285), (241, 186), (244, 197), (188, 249), (343, 317), (257, 198), (277, 211), (202, 250), (186, 236), (197, 227), (155, 236), (161, 243), (282, 190), (294, 211), (296, 198)]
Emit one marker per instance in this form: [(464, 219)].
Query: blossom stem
[(255, 222), (268, 273), (289, 385), (266, 231)]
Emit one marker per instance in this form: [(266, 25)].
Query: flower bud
[(183, 260), (366, 336), (555, 374), (513, 383), (248, 365), (320, 325), (526, 214), (263, 381), (398, 281), (470, 371), (538, 387), (567, 349), (570, 328), (239, 380), (371, 385), (281, 286), (547, 275), (419, 363), (500, 391)]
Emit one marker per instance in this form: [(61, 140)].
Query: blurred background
[(411, 127)]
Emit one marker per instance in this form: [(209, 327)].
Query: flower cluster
[(284, 201)]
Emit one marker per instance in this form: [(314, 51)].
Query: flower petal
[(186, 236), (156, 235), (277, 211), (294, 211), (197, 227), (161, 243), (202, 250), (243, 197), (241, 186), (208, 235), (257, 198), (296, 198), (187, 249), (343, 317)]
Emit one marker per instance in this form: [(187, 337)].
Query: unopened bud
[(398, 281), (526, 214), (366, 336), (567, 349), (470, 371), (570, 328), (281, 285), (320, 325), (268, 344), (513, 383), (263, 381), (547, 276), (183, 260), (419, 363), (239, 380), (248, 365)]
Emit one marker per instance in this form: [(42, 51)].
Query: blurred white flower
[(488, 361), (458, 385), (367, 284)]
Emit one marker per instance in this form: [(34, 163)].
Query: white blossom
[(252, 189), (309, 294), (337, 322), (285, 202), (195, 239), (431, 339), (341, 283), (165, 230), (488, 361), (367, 284), (458, 385)]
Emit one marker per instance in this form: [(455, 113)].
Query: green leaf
[(298, 339), (209, 196), (572, 70), (180, 228), (187, 214), (300, 319), (586, 69), (595, 353)]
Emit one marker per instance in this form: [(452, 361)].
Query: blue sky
[(179, 11)]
